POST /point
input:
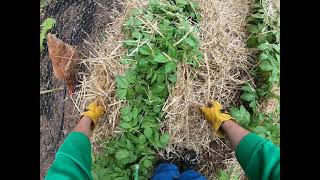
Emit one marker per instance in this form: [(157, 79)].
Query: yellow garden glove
[(212, 113), (94, 111)]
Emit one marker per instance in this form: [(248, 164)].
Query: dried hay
[(103, 65), (224, 69)]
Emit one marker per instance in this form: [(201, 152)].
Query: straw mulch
[(103, 65), (224, 69)]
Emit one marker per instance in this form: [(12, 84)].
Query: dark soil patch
[(222, 152), (76, 20)]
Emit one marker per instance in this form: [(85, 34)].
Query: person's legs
[(166, 171), (191, 175)]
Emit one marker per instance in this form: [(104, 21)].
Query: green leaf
[(252, 42), (125, 125), (130, 76), (137, 22), (181, 2), (129, 22), (248, 96), (134, 122), (122, 154), (223, 175), (135, 112), (253, 104), (263, 46), (132, 43), (260, 130), (121, 93), (257, 5), (164, 139), (257, 15), (147, 163), (139, 89), (265, 66), (190, 41), (264, 56), (278, 57), (121, 83), (274, 76), (154, 78), (276, 47), (142, 139), (172, 78), (260, 26), (160, 58), (145, 50), (247, 88), (129, 145), (48, 23), (262, 38), (268, 133), (194, 5), (170, 67), (172, 51), (241, 115), (157, 140), (45, 27), (260, 117), (252, 20), (147, 132), (253, 28), (127, 118), (148, 16), (130, 94), (125, 110), (137, 35)]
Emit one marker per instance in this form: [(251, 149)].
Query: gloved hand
[(94, 111), (214, 115)]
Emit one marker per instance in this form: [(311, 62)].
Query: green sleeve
[(73, 159), (258, 157)]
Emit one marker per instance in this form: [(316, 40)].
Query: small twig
[(50, 90)]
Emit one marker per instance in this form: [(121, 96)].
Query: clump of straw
[(225, 68), (103, 65)]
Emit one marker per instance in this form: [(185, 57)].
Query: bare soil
[(77, 20)]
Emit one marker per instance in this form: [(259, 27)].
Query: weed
[(45, 28)]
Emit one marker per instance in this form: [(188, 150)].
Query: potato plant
[(159, 37), (265, 37)]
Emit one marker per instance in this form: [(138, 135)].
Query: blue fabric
[(166, 171)]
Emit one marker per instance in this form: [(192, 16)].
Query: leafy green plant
[(43, 3), (152, 58), (229, 174), (241, 115), (46, 26), (223, 175), (265, 37)]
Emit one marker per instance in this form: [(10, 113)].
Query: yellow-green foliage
[(45, 27)]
